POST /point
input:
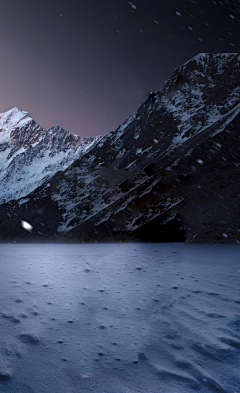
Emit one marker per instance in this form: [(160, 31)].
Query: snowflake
[(132, 5)]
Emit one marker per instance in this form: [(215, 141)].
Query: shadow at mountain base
[(154, 231)]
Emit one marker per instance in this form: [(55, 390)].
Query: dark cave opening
[(155, 231)]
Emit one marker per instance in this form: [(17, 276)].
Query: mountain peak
[(209, 63), (215, 57), (12, 119)]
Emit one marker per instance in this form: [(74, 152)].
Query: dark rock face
[(169, 173)]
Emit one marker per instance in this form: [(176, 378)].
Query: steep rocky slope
[(170, 172)]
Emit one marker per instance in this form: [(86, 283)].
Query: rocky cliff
[(169, 173)]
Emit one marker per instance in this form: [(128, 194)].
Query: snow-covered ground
[(119, 318)]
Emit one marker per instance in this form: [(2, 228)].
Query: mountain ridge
[(142, 181), (24, 143)]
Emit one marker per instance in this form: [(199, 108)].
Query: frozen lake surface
[(119, 318)]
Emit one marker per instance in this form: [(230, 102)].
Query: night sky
[(88, 64)]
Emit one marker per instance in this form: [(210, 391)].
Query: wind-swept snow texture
[(119, 318), (169, 173)]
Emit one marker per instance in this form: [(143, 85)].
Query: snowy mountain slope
[(29, 155), (159, 175)]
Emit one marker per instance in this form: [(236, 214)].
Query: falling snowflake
[(139, 152), (26, 226), (200, 161), (232, 16), (132, 5), (190, 28), (60, 15), (178, 13)]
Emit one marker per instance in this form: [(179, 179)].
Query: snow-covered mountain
[(170, 172), (30, 155)]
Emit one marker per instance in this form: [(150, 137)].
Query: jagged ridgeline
[(169, 173)]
